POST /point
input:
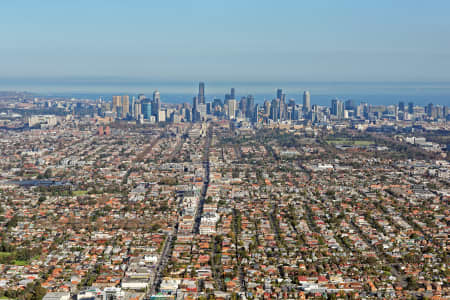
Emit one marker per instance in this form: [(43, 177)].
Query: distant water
[(421, 93)]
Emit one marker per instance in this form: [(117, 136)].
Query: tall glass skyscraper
[(306, 101), (201, 93), (146, 108)]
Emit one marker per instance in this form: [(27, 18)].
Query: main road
[(198, 216)]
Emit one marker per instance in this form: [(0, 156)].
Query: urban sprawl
[(138, 199)]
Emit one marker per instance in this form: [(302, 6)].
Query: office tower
[(232, 94), (132, 102), (157, 101), (217, 103), (411, 108), (232, 106), (267, 107), (337, 108), (209, 108), (279, 93), (255, 116), (137, 109), (275, 109), (201, 93), (350, 105), (291, 103), (306, 101), (161, 117), (401, 106), (156, 96), (281, 109), (250, 106), (201, 111), (243, 105), (125, 106), (429, 109), (117, 102), (156, 105), (195, 114), (341, 110), (295, 113), (141, 97), (146, 108), (195, 103)]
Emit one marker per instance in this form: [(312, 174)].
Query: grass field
[(20, 262), (79, 193), (350, 142)]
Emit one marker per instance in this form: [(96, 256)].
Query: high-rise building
[(267, 107), (201, 110), (232, 107), (243, 105), (132, 102), (156, 105), (117, 102), (279, 93), (401, 106), (146, 108), (429, 109), (350, 105), (255, 117), (411, 107), (201, 93), (195, 114), (282, 108), (156, 96), (275, 109), (337, 108), (306, 101), (232, 93), (125, 106), (137, 109), (250, 106), (217, 103)]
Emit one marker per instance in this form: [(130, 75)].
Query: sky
[(252, 40)]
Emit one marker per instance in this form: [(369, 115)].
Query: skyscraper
[(195, 113), (267, 107), (125, 106), (250, 106), (275, 109), (232, 94), (117, 102), (350, 105), (337, 108), (279, 93), (243, 105), (156, 96), (137, 109), (146, 107), (201, 93), (156, 105), (306, 101), (232, 106), (411, 107)]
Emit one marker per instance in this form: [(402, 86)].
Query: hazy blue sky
[(337, 40)]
